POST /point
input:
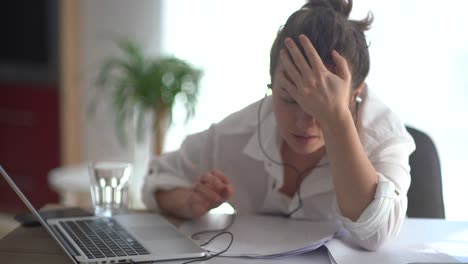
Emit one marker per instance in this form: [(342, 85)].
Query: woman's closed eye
[(289, 100), (286, 97)]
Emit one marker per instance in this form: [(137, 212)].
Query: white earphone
[(358, 99)]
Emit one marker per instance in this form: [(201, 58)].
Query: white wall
[(419, 54), (231, 42), (103, 20)]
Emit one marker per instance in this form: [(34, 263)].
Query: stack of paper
[(414, 244), (343, 253), (261, 236)]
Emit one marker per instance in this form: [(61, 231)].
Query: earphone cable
[(217, 253), (231, 222), (300, 174), (220, 232)]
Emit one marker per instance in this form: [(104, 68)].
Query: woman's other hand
[(208, 192)]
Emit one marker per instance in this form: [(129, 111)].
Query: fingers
[(208, 194), (211, 180), (342, 69), (304, 70), (290, 69), (215, 180), (299, 60), (301, 68), (214, 187), (312, 56), (224, 179), (287, 85), (227, 189)]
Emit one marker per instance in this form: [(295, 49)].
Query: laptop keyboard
[(100, 238)]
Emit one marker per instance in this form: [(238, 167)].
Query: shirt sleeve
[(383, 217), (177, 169)]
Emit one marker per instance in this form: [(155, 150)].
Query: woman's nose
[(304, 120)]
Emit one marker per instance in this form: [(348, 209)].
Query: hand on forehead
[(309, 81)]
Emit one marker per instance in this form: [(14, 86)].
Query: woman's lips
[(304, 139)]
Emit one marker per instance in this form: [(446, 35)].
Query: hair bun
[(342, 7)]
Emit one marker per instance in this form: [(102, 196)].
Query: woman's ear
[(357, 93)]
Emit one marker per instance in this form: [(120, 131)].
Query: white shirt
[(232, 146)]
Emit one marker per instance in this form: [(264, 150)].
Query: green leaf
[(134, 78)]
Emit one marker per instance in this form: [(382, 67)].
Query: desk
[(34, 245)]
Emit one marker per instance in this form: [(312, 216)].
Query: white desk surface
[(450, 237), (420, 240)]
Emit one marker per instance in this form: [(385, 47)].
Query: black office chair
[(425, 198)]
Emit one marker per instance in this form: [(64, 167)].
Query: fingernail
[(288, 42), (335, 53)]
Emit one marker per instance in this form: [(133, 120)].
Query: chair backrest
[(425, 199)]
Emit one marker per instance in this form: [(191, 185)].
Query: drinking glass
[(109, 186)]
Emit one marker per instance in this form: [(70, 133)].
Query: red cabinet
[(29, 141)]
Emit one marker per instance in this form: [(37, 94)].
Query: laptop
[(125, 238)]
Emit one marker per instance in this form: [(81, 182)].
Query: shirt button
[(273, 185), (397, 192)]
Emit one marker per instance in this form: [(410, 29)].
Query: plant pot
[(142, 124), (161, 125)]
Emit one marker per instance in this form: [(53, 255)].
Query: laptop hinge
[(63, 239)]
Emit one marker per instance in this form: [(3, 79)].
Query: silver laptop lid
[(34, 211), (155, 233)]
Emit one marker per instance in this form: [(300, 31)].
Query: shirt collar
[(267, 132), (270, 141)]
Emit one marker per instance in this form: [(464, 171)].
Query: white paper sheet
[(420, 240), (343, 253), (263, 236)]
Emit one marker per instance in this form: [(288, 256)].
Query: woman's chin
[(302, 145)]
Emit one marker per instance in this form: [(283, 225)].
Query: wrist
[(339, 120), (174, 202)]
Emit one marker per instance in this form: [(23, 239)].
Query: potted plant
[(137, 81)]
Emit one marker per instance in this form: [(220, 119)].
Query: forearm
[(354, 177), (174, 201), (381, 220)]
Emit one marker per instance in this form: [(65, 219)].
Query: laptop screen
[(10, 187)]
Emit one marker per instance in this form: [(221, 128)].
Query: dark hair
[(326, 24)]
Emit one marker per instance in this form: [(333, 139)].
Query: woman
[(321, 147)]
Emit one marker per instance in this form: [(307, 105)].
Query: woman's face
[(300, 131)]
